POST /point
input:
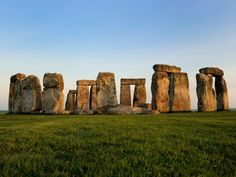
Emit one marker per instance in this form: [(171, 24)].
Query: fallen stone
[(205, 93), (106, 90), (32, 95), (128, 110), (212, 70), (166, 68)]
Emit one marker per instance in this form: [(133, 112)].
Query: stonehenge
[(170, 89), (85, 98), (210, 99), (53, 96), (71, 101), (106, 90), (15, 102), (140, 94)]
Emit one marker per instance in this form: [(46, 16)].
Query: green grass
[(182, 144)]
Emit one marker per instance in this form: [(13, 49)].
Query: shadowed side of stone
[(71, 101), (222, 94)]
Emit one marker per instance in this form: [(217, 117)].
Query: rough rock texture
[(53, 101), (53, 96), (53, 80), (160, 91), (93, 98), (205, 93), (212, 70), (32, 94), (106, 90), (128, 110), (222, 94), (179, 92), (82, 98), (15, 102), (71, 101), (146, 105), (125, 95), (140, 95), (139, 81), (166, 68), (86, 82)]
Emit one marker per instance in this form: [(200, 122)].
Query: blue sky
[(79, 38)]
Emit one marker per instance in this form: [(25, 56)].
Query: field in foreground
[(182, 144)]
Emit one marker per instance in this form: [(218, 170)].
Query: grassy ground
[(183, 144)]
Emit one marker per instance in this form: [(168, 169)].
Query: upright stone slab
[(125, 95), (205, 93), (53, 96), (179, 92), (106, 90), (160, 91), (71, 101), (15, 102), (140, 95), (82, 98), (32, 94), (221, 93), (93, 98)]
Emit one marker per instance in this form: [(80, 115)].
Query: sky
[(79, 38)]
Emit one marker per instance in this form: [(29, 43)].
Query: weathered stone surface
[(166, 68), (139, 81), (53, 101), (205, 93), (106, 90), (146, 105), (140, 95), (160, 91), (86, 82), (15, 102), (222, 94), (125, 95), (53, 80), (179, 92), (214, 71), (71, 101), (82, 98), (128, 110), (32, 94), (93, 98)]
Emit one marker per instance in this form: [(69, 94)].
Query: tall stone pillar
[(71, 101), (93, 97), (140, 95), (221, 93), (125, 95)]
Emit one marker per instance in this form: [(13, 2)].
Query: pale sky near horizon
[(80, 38)]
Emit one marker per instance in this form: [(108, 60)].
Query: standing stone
[(125, 95), (205, 93), (15, 103), (71, 101), (93, 98), (82, 98), (140, 95), (160, 91), (32, 94), (106, 90), (53, 96), (179, 92), (222, 94)]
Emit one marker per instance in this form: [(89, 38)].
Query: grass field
[(181, 144)]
